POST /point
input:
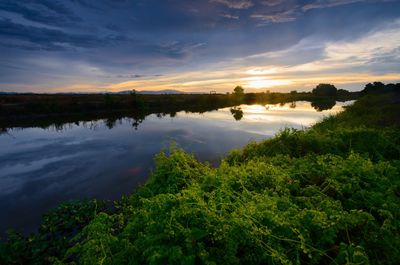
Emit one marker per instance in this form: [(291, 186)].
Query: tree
[(343, 93), (374, 88), (238, 90), (325, 90)]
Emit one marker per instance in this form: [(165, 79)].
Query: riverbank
[(25, 110), (326, 195)]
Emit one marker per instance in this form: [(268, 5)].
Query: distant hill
[(7, 93), (157, 92), (167, 91), (125, 92)]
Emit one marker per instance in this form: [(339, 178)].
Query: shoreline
[(258, 195)]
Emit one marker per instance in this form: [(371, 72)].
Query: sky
[(197, 45)]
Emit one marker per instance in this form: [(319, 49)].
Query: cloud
[(229, 16), (301, 66), (45, 11), (279, 17), (41, 38), (272, 2), (75, 45), (84, 3), (291, 12), (328, 3), (374, 50), (369, 52), (129, 50), (130, 76), (235, 4), (176, 49)]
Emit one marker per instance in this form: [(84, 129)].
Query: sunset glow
[(259, 82), (280, 46)]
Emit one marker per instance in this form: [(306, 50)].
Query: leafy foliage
[(325, 90), (238, 90), (53, 239), (317, 209)]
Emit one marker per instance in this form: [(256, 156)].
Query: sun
[(262, 82)]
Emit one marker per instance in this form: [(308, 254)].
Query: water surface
[(39, 168)]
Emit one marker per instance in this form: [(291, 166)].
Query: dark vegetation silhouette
[(323, 104), (325, 90), (25, 110), (379, 88), (238, 91), (237, 113), (329, 194)]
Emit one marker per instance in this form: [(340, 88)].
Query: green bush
[(54, 236), (326, 195), (317, 209)]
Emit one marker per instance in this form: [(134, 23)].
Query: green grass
[(326, 195)]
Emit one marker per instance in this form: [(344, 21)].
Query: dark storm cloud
[(82, 24), (41, 38), (153, 36), (87, 4), (44, 11), (31, 37)]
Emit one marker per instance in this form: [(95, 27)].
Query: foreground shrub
[(53, 239), (317, 209)]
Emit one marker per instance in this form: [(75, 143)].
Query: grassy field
[(329, 194)]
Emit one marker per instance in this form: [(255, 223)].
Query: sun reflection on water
[(268, 119)]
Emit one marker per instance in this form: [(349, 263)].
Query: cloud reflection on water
[(39, 168)]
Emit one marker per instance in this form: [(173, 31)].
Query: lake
[(39, 168)]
